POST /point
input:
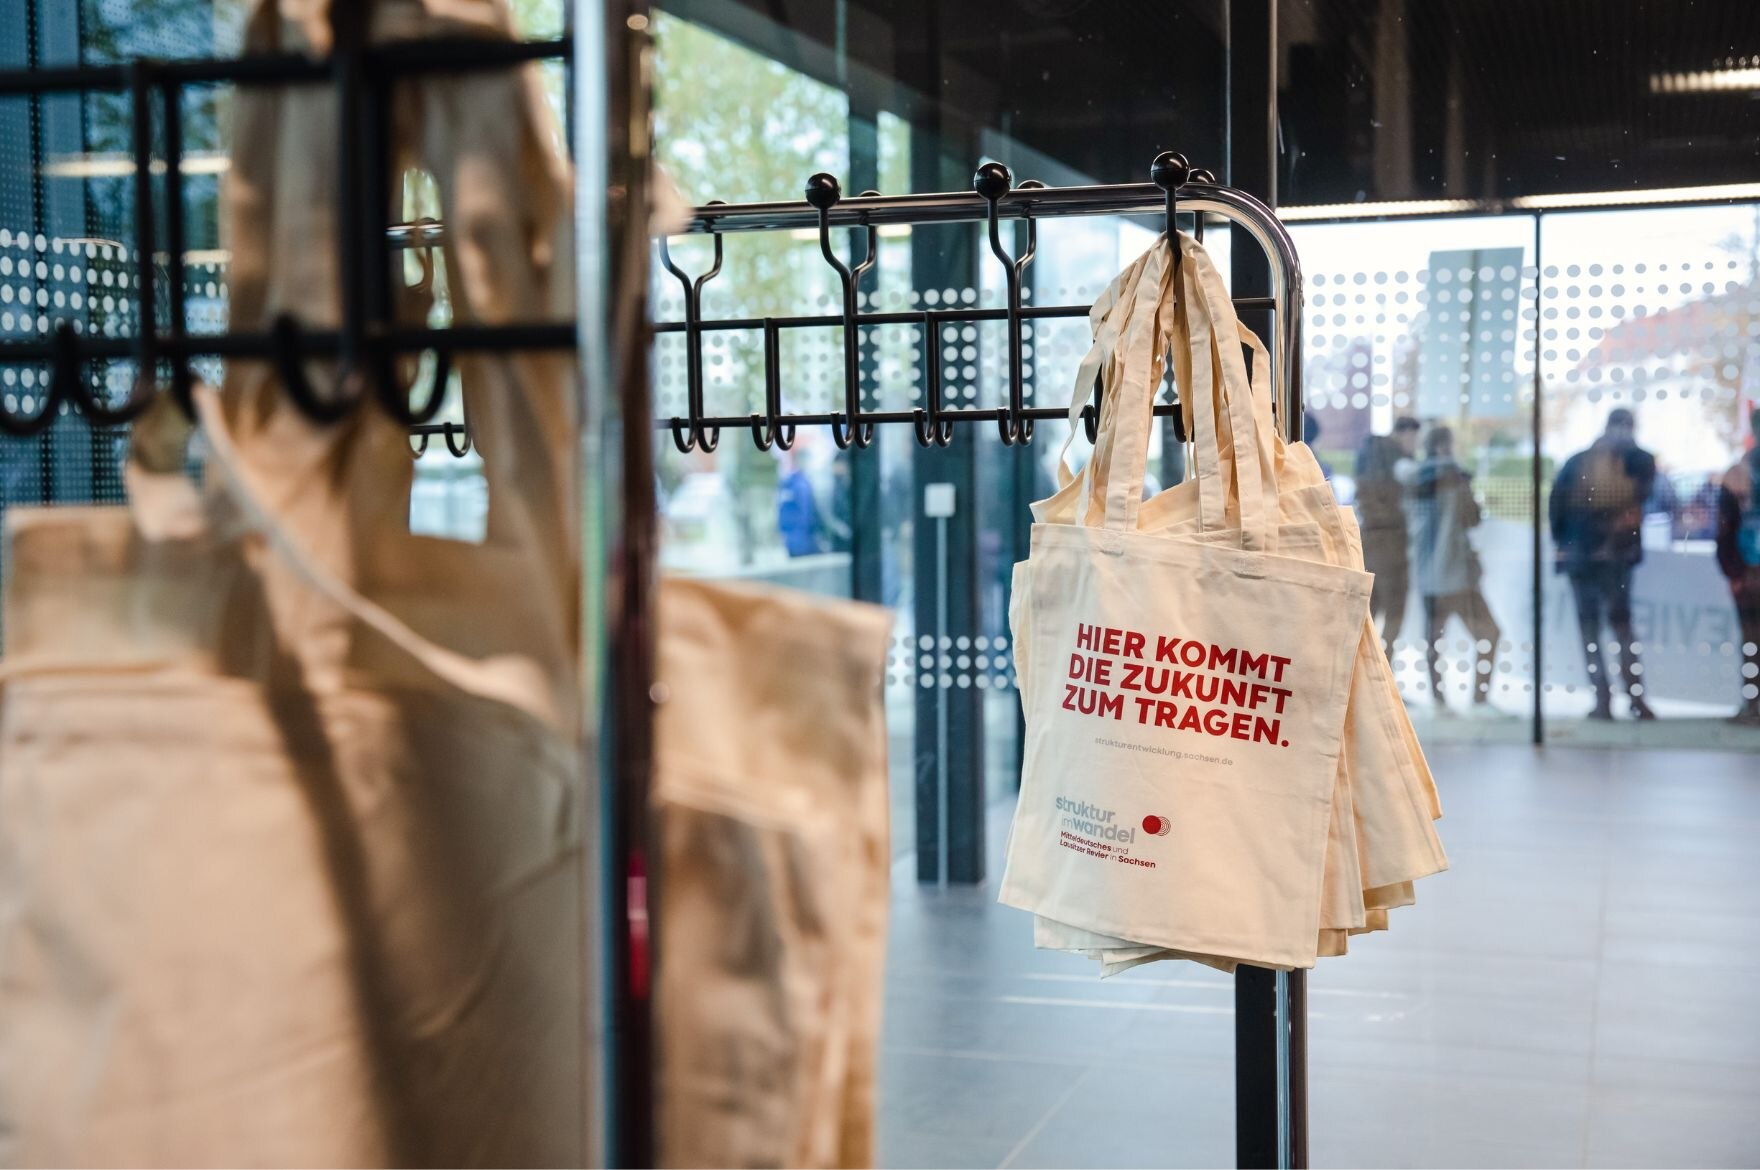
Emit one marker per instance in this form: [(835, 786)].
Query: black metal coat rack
[(367, 341), (1176, 188)]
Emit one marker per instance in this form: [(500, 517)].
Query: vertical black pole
[(1270, 1007), (620, 534), (1024, 487), (949, 755), (171, 99), (1537, 511), (866, 533)]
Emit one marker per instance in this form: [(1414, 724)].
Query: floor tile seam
[(1039, 1127), (984, 1055)]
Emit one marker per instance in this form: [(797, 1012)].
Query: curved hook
[(71, 387), (417, 452), (424, 254), (768, 429), (698, 436), (932, 430), (1200, 175), (63, 372), (992, 183), (395, 398), (286, 350), (463, 429), (823, 192)]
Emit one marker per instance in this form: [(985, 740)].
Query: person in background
[(1440, 511), (1738, 555), (1311, 432), (835, 518), (797, 514), (1381, 516), (1596, 513)]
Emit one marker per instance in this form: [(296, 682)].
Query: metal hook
[(63, 372), (463, 430), (418, 229), (1169, 172), (286, 347), (932, 430), (992, 182), (823, 192), (698, 436), (768, 430), (1091, 413), (421, 449), (394, 397), (71, 387), (1200, 175)]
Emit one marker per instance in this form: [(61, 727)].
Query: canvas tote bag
[(290, 815), (1389, 751), (771, 795), (1243, 877), (1342, 904), (1384, 738)]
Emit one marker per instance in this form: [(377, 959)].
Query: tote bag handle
[(1233, 455)]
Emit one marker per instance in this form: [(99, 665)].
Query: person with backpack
[(1738, 555), (1440, 511), (1596, 513)]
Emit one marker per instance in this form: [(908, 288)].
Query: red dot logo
[(1156, 826)]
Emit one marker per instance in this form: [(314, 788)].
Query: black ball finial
[(1202, 175), (992, 181), (823, 191), (1169, 170)]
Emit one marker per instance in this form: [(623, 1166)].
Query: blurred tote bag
[(1182, 751), (771, 795), (290, 866)]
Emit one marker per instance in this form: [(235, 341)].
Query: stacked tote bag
[(290, 832), (1217, 766), (771, 798)]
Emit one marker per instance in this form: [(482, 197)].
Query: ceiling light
[(1389, 208), (1706, 81), (1728, 191), (120, 165)]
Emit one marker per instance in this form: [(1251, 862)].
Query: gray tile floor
[(1578, 990)]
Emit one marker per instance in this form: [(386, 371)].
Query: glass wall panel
[(1651, 367), (992, 1051), (1419, 379)]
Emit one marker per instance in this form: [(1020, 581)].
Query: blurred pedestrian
[(1738, 555), (1597, 514), (1382, 518), (797, 512), (1311, 435), (1440, 511)]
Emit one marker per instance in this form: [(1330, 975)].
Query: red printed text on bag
[(1177, 683)]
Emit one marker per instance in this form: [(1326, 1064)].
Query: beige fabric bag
[(771, 794), (290, 862), (1242, 877), (1386, 754)]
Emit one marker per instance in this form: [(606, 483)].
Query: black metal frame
[(367, 342), (994, 199)]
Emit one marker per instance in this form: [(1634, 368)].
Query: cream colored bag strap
[(1250, 400), (1105, 322), (1119, 399), (1218, 395)]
